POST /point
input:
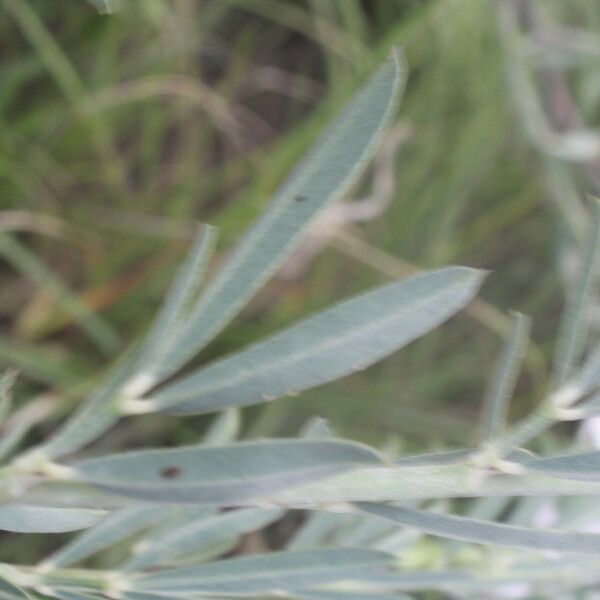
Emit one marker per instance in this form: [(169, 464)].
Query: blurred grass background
[(120, 133)]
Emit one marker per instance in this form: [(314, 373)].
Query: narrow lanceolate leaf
[(584, 466), (8, 591), (584, 382), (170, 318), (225, 474), (224, 429), (113, 528), (347, 595), (11, 439), (574, 322), (336, 160), (38, 519), (352, 335), (7, 380), (267, 573), (196, 535), (485, 532), (379, 484), (504, 378)]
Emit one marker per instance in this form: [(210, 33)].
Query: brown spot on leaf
[(300, 198), (170, 472)]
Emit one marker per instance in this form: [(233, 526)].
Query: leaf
[(224, 429), (574, 322), (349, 336), (330, 168), (171, 316), (485, 532), (380, 484), (39, 519), (267, 573), (502, 383), (584, 466), (7, 381), (8, 591), (113, 528), (347, 595), (11, 439), (447, 457), (93, 418), (106, 6), (222, 475), (195, 535)]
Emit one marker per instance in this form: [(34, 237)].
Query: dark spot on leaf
[(170, 472), (300, 198)]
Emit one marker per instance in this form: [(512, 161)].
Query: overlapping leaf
[(350, 336)]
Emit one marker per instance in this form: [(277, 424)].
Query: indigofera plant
[(177, 512)]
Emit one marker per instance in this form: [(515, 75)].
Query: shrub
[(177, 512)]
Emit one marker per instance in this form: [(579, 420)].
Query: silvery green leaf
[(224, 474), (38, 519), (584, 466), (168, 323), (11, 439), (349, 336), (7, 381), (196, 534), (347, 595), (266, 573), (485, 532), (8, 591), (224, 429), (504, 378), (574, 322), (447, 457), (586, 409), (96, 415), (179, 515), (380, 484), (327, 172), (106, 6), (313, 532), (115, 527), (588, 378), (69, 595)]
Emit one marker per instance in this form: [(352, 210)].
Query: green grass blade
[(40, 519), (504, 378), (486, 532), (574, 322), (334, 343), (223, 474), (337, 159), (24, 261)]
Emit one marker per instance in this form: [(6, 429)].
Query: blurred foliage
[(120, 132)]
